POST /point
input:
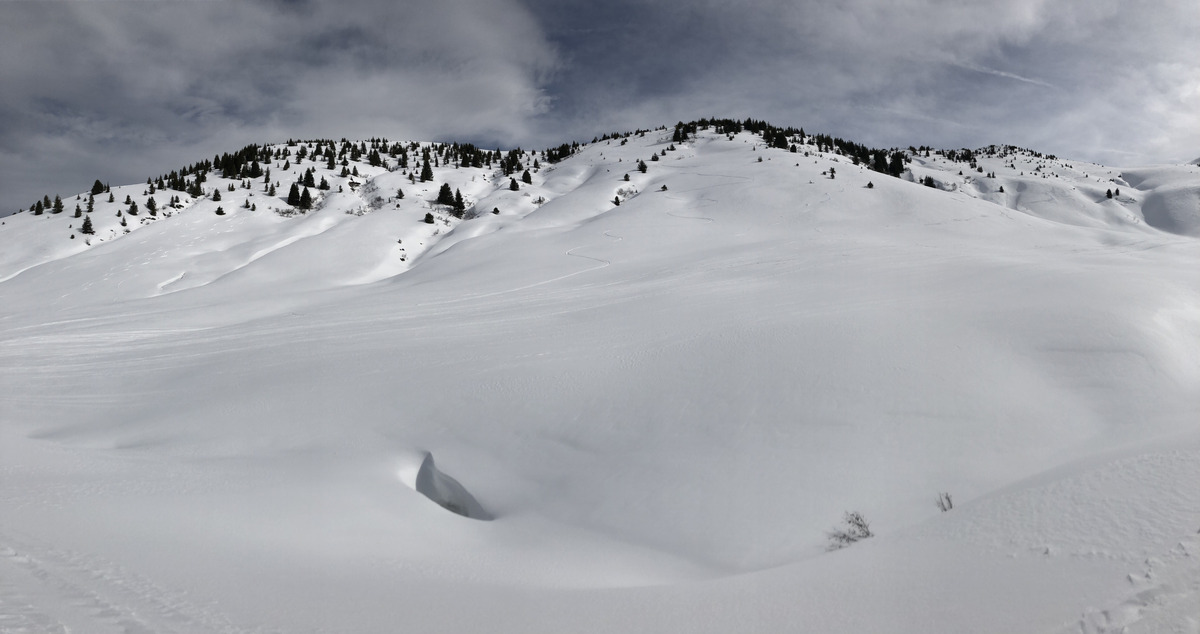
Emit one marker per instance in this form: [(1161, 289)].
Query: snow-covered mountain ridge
[(1165, 197), (659, 393), (1024, 180)]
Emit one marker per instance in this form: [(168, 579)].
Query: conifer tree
[(216, 195), (445, 195), (78, 211), (293, 198), (133, 208), (642, 167), (97, 187), (39, 208), (459, 205), (324, 184), (526, 178), (110, 197), (91, 203), (220, 210), (306, 201), (152, 206), (512, 185), (308, 178), (58, 205), (426, 171), (87, 226)]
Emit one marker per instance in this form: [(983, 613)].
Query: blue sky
[(121, 90)]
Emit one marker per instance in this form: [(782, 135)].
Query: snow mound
[(447, 492)]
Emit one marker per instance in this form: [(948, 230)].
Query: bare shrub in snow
[(854, 527), (944, 503)]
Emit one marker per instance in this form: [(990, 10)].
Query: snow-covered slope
[(226, 423)]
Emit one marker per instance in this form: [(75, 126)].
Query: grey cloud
[(1073, 77), (123, 90), (158, 84)]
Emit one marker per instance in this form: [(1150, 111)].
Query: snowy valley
[(627, 385)]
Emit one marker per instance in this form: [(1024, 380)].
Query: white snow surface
[(220, 423)]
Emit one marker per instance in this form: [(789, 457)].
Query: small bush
[(854, 527), (944, 503)]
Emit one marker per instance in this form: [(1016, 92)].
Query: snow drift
[(444, 490)]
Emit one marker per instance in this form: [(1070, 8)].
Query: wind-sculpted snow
[(1174, 211), (207, 424), (442, 489)]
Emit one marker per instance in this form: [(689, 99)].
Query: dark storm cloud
[(123, 90)]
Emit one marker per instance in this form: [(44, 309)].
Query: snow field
[(663, 404)]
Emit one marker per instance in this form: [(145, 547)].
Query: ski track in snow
[(48, 591), (516, 289)]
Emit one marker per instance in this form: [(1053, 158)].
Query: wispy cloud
[(999, 73)]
